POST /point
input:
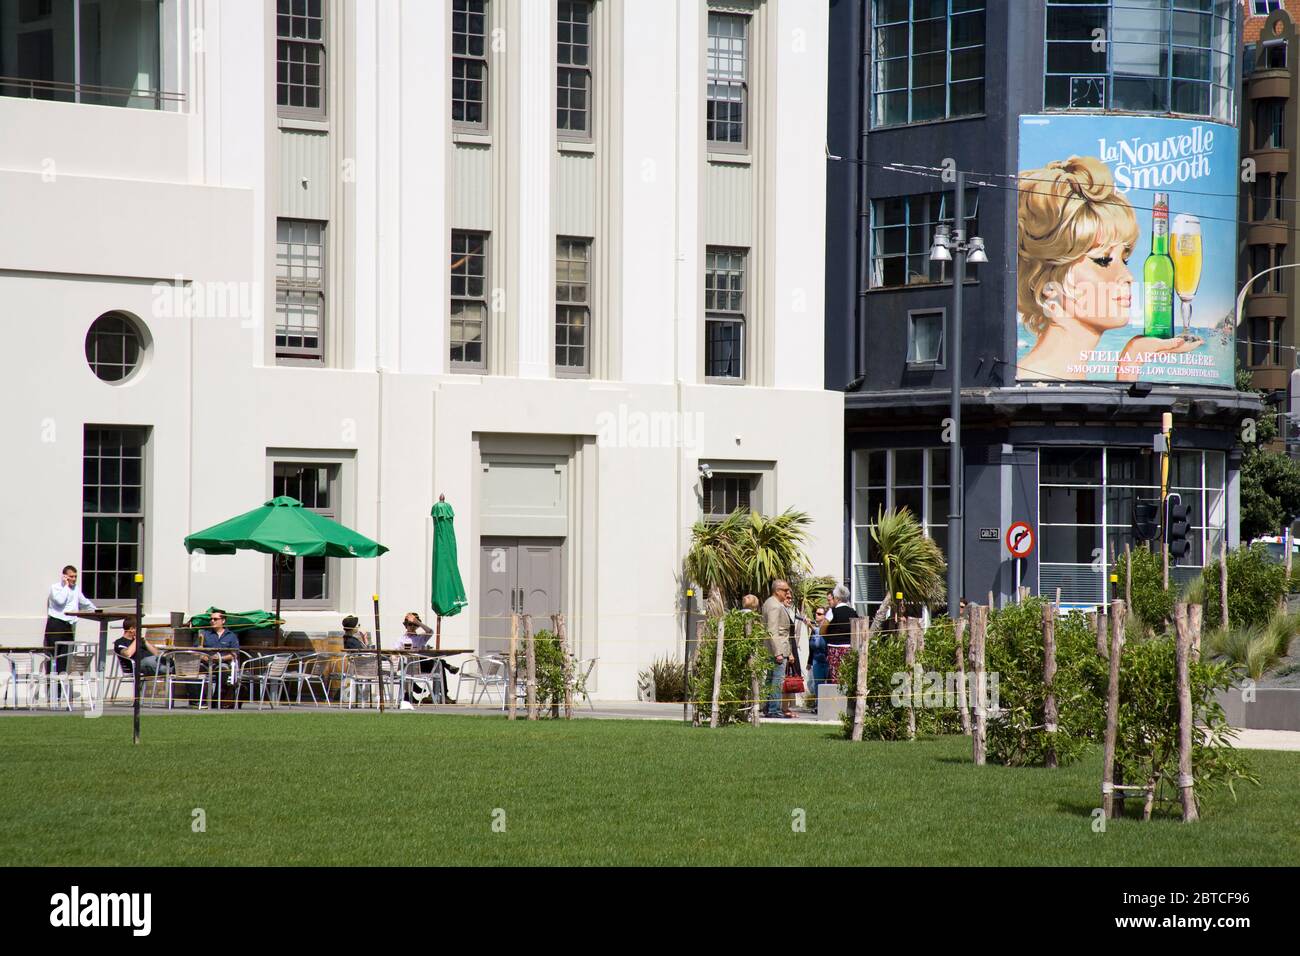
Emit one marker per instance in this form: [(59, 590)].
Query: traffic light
[(1176, 526), (1146, 520)]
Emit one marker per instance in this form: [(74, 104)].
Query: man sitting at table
[(151, 661), (216, 636), (354, 639)]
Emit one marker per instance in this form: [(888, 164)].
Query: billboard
[(1126, 250)]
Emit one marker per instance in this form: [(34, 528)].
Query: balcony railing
[(28, 88)]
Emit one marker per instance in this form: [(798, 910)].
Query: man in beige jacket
[(779, 621)]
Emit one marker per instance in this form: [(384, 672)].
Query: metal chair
[(430, 682), (361, 672), (261, 672), (80, 671), (485, 673), (310, 670), (18, 671), (187, 668)]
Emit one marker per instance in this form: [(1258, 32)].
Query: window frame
[(301, 355), (909, 89), (941, 200), (940, 361), (1220, 56), (455, 365), (573, 371), (334, 481), (749, 479), (132, 333), (589, 71), (738, 317), (322, 45), (746, 39), (90, 570), (483, 60)]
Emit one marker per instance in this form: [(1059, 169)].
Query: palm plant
[(712, 562), (770, 548), (910, 563), (810, 592)]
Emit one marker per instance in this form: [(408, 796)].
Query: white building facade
[(545, 257)]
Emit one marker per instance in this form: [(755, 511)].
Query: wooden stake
[(530, 650), (1102, 649), (690, 665), (562, 635), (1194, 613), (1049, 677), (1118, 610), (1182, 652), (979, 622), (1128, 575), (859, 637), (511, 667), (1223, 580), (911, 626), (755, 688), (717, 672), (959, 629)]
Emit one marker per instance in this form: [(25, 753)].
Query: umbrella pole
[(279, 636), (379, 660), (437, 638), (139, 656)]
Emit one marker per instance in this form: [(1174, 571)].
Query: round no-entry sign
[(1020, 540)]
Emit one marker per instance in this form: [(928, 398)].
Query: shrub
[(744, 656), (1255, 648), (1146, 749), (1153, 603), (887, 681), (1014, 652), (668, 677), (548, 661), (1255, 586)]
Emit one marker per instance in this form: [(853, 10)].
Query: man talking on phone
[(64, 598)]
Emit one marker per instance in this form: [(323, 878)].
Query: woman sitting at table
[(354, 639)]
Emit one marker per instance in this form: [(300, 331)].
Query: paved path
[(1268, 739)]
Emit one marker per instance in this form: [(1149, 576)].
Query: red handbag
[(793, 683)]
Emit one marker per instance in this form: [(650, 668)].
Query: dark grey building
[(937, 86)]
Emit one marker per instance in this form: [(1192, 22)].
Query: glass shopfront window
[(914, 478), (1085, 513)]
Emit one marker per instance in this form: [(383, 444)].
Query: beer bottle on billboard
[(1158, 274)]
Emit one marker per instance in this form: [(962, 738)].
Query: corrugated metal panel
[(304, 154), (728, 205), (573, 201), (471, 187)]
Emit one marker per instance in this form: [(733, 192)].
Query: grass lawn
[(330, 788)]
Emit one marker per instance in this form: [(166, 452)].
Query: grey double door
[(517, 576)]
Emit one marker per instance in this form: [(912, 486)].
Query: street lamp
[(954, 246)]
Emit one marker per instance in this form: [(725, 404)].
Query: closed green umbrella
[(283, 526), (448, 590)]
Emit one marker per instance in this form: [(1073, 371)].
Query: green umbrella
[(283, 526), (448, 591)]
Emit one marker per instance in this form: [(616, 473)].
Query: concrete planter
[(1274, 708)]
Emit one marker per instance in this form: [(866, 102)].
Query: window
[(573, 69), (927, 60), (572, 305), (1262, 8), (724, 307), (114, 347), (106, 52), (300, 57), (305, 582), (469, 309), (1267, 196), (726, 78), (1086, 498), (925, 338), (469, 72), (902, 230), (1263, 258), (724, 493), (1270, 124), (1162, 56), (1265, 341), (1273, 55), (912, 478), (299, 292), (112, 511)]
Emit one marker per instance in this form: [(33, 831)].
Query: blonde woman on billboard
[(1075, 236)]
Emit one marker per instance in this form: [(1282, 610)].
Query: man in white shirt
[(64, 598)]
